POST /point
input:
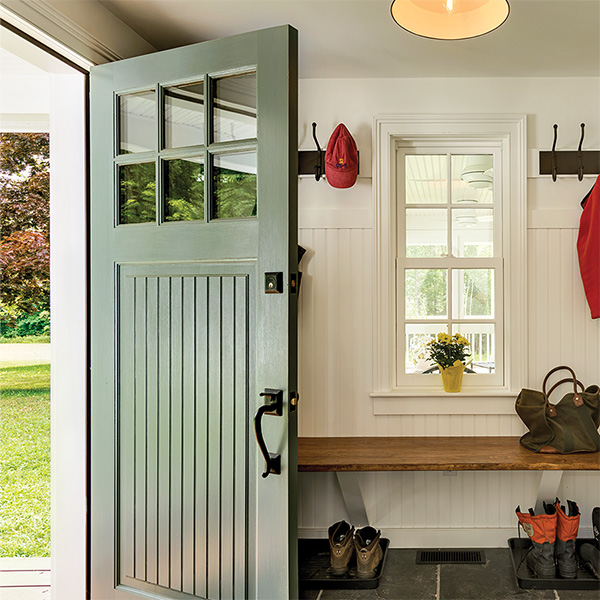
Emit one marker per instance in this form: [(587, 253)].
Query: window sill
[(437, 402)]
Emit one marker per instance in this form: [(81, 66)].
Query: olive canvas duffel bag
[(569, 426)]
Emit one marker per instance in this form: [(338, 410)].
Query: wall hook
[(312, 162), (580, 155), (569, 162), (319, 163), (554, 167)]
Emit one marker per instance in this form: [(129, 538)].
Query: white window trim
[(509, 131)]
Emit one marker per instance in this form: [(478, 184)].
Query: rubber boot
[(590, 557), (567, 526), (341, 547), (541, 529), (590, 553), (368, 551)]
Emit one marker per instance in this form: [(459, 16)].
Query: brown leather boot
[(567, 528), (368, 551), (341, 547)]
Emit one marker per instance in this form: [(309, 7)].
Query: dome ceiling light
[(450, 19)]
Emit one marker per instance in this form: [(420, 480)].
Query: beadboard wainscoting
[(430, 509)]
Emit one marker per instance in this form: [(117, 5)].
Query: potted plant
[(449, 353)]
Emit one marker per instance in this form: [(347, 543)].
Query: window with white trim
[(450, 256), (449, 260)]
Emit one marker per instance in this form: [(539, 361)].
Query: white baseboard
[(478, 537)]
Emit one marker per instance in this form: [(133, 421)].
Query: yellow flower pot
[(452, 376)]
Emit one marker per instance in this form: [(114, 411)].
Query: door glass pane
[(234, 186), (234, 106), (473, 293), (184, 190), (417, 336), (473, 232), (426, 232), (426, 179), (482, 339), (137, 122), (137, 193), (184, 115), (473, 178), (426, 292)]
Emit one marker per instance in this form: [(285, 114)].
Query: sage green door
[(193, 214)]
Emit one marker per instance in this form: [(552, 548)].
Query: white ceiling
[(357, 38)]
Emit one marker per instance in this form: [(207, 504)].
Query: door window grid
[(430, 188), (225, 165)]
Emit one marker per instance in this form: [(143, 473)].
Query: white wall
[(336, 300)]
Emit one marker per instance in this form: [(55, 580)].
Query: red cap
[(341, 159)]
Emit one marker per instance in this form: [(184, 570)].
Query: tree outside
[(25, 243)]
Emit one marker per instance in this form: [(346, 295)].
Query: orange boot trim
[(540, 528), (566, 527)]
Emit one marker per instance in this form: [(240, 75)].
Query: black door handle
[(273, 406)]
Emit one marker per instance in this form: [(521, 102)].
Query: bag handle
[(577, 399), (566, 380)]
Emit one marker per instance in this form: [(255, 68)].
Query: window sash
[(449, 263)]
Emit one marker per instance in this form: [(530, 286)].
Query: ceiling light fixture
[(450, 19)]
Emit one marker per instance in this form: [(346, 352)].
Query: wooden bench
[(347, 456)]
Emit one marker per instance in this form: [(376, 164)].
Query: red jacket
[(588, 248)]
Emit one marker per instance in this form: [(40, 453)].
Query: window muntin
[(447, 199), (170, 167)]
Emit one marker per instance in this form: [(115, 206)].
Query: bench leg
[(548, 489), (353, 498)]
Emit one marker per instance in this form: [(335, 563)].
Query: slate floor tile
[(494, 580), (403, 579)]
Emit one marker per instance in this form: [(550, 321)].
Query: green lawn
[(26, 339), (25, 461)]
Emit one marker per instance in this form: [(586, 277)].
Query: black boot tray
[(518, 551), (313, 558)]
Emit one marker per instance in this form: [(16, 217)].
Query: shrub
[(21, 324)]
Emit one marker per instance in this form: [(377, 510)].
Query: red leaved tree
[(24, 218)]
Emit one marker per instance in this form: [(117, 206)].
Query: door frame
[(69, 158)]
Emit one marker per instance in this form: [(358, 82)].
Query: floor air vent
[(450, 557)]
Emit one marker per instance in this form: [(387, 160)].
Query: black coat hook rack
[(569, 162), (312, 162)]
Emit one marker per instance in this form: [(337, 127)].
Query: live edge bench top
[(432, 454)]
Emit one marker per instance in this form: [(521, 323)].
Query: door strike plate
[(274, 283)]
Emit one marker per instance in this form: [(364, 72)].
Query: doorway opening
[(43, 126)]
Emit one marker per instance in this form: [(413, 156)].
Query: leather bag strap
[(566, 380), (577, 399)]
